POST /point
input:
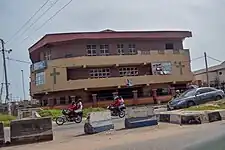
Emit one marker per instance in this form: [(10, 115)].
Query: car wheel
[(218, 97), (190, 103)]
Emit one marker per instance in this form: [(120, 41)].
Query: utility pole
[(24, 96), (5, 73), (1, 91), (206, 69)]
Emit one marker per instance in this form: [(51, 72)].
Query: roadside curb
[(191, 117)]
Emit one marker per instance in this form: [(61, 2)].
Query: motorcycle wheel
[(60, 121), (122, 114), (78, 119)]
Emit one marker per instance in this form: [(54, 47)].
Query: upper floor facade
[(105, 43)]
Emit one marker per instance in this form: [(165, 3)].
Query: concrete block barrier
[(27, 131), (191, 117), (140, 117), (2, 136), (98, 122)]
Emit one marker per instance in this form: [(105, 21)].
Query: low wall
[(31, 130), (128, 102), (2, 138)]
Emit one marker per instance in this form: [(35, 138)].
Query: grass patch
[(54, 113), (215, 105), (6, 119)]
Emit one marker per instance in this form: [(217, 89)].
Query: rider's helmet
[(177, 91), (116, 98), (73, 103)]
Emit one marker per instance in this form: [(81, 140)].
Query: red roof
[(108, 34)]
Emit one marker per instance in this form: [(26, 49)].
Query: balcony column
[(172, 91), (58, 101), (135, 96), (42, 102), (154, 95), (50, 102), (94, 98), (67, 100)]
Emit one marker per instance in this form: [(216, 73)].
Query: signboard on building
[(39, 65), (161, 68)]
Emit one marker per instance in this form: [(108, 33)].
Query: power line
[(13, 36), (197, 58), (49, 19), (49, 8), (21, 61), (214, 59)]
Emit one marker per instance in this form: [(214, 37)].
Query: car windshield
[(188, 93)]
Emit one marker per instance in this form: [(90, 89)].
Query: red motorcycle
[(67, 117), (117, 111)]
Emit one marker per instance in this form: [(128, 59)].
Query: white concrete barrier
[(191, 117), (98, 122), (140, 117)]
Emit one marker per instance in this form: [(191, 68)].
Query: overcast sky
[(205, 18)]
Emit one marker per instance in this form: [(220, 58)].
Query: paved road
[(119, 123), (193, 140)]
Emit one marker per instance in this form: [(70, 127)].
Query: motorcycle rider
[(71, 109), (117, 103), (177, 94), (79, 105)]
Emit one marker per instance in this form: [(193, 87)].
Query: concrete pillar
[(67, 100), (94, 98), (49, 102), (58, 101), (135, 94), (172, 91), (154, 95), (115, 94)]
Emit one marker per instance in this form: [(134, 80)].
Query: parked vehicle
[(195, 96), (77, 117), (117, 112)]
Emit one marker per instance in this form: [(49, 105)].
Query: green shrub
[(6, 119), (86, 111), (53, 113), (203, 107)]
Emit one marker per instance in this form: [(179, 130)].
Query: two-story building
[(98, 65)]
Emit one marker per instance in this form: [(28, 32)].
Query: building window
[(91, 50), (40, 78), (120, 49), (47, 55), (132, 49), (100, 73), (128, 71), (169, 46), (220, 73), (104, 50)]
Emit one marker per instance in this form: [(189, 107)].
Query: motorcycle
[(77, 117), (117, 112)]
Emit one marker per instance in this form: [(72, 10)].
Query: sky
[(205, 18)]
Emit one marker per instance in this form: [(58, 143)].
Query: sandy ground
[(106, 139)]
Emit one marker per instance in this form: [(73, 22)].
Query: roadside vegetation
[(54, 113), (215, 105), (6, 119)]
